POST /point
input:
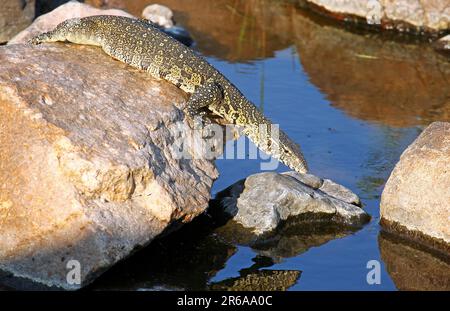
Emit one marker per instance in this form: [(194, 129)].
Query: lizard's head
[(291, 155), (279, 146)]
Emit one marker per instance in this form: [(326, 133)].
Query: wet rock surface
[(15, 15), (415, 200), (87, 168), (262, 201)]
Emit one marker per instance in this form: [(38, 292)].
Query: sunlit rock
[(430, 15), (262, 201), (88, 172), (416, 199)]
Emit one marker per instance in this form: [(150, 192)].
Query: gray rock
[(264, 200), (339, 192), (159, 15), (308, 179)]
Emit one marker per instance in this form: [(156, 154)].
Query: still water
[(353, 99)]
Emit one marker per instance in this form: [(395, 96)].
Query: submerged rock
[(262, 201), (416, 199), (15, 16), (88, 172), (403, 15)]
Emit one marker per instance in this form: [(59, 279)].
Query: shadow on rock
[(184, 260)]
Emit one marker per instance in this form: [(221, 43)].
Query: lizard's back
[(141, 45)]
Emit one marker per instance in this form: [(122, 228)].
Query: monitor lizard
[(141, 45)]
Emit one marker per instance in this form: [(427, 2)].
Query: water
[(353, 99)]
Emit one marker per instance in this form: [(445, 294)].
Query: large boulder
[(89, 165), (419, 15), (15, 16), (416, 199), (262, 201)]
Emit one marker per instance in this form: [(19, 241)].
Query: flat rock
[(15, 16), (262, 201), (416, 199), (88, 168), (72, 9), (429, 15)]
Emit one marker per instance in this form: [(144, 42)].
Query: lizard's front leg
[(206, 95)]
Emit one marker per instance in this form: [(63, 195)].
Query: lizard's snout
[(43, 37)]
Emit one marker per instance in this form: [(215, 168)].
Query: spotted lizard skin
[(141, 45)]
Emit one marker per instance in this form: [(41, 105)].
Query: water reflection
[(187, 260), (372, 78), (412, 268), (293, 238)]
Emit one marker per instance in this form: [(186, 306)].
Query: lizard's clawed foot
[(198, 121)]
